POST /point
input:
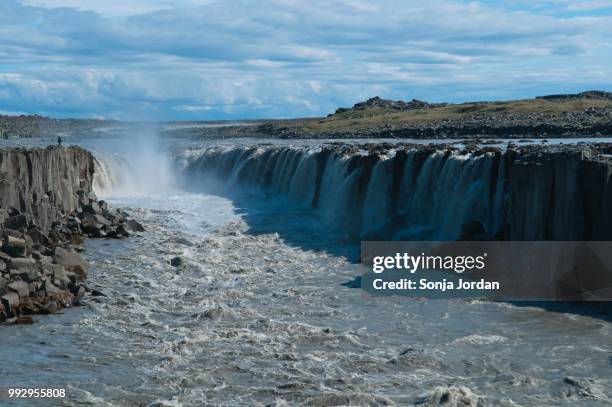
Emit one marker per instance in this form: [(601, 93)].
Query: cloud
[(209, 59)]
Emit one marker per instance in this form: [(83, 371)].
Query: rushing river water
[(257, 317)]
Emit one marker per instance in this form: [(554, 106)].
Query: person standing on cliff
[(59, 141)]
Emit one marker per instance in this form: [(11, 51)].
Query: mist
[(133, 161)]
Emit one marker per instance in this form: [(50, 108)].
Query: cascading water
[(420, 193), (253, 318)]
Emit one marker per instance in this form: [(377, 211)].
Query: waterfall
[(424, 193), (122, 174)]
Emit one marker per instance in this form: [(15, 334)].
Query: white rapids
[(255, 318)]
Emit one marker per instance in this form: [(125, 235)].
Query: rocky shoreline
[(48, 208)]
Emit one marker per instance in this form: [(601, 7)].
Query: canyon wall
[(47, 208), (412, 192), (44, 184)]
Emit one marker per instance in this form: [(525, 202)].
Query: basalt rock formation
[(378, 103), (432, 192), (44, 184), (47, 208)]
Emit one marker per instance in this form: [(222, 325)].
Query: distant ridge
[(590, 94), (584, 114)]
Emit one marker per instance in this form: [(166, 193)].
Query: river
[(260, 315)]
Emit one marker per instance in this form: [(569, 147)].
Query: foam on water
[(253, 318)]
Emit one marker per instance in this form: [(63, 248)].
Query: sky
[(207, 59)]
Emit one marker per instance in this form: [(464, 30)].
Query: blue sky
[(206, 59)]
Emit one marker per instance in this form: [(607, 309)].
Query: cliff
[(44, 184), (47, 208), (416, 192)]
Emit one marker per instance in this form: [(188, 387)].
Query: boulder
[(78, 291), (102, 220), (134, 226), (42, 258), (72, 276), (122, 230), (73, 223), (35, 287), (120, 216), (20, 287), (14, 246), (4, 258), (26, 268), (452, 397), (103, 206), (49, 308), (92, 208), (50, 288), (24, 320), (10, 300), (71, 261), (29, 305), (93, 230), (177, 262), (16, 222)]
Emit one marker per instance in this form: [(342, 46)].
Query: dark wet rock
[(581, 388), (97, 293), (101, 220), (39, 238), (24, 320), (92, 208), (93, 230), (16, 222), (122, 230), (177, 262), (134, 226), (30, 306), (451, 397), (49, 308), (103, 206)]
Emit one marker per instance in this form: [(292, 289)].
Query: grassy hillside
[(380, 117)]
